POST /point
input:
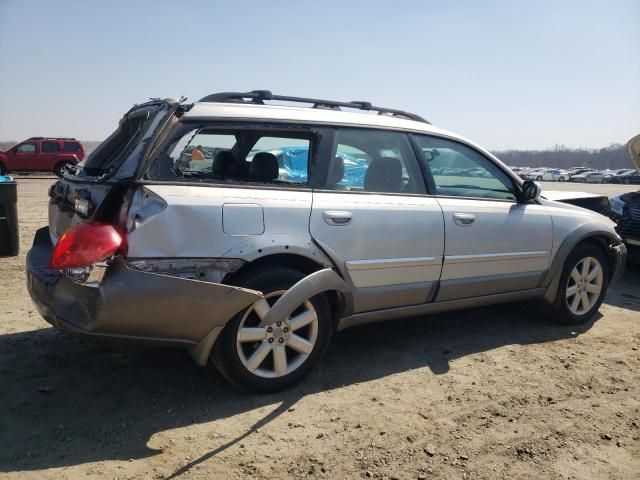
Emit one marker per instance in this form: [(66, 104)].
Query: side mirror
[(530, 190)]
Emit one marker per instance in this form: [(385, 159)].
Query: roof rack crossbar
[(259, 96)]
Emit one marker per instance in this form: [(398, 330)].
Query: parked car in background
[(555, 175), (578, 170), (631, 177), (308, 221), (535, 174), (625, 211), (625, 208), (588, 177), (615, 174), (43, 154)]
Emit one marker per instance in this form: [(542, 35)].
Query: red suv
[(42, 154)]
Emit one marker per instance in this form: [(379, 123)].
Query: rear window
[(123, 141), (71, 147), (50, 147), (235, 156)]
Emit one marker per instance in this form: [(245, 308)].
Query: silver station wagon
[(248, 227)]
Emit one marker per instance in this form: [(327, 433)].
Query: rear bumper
[(131, 304)]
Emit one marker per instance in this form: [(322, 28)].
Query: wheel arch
[(339, 301), (585, 234)]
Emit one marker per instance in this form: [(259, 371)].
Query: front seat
[(264, 168), (384, 175)]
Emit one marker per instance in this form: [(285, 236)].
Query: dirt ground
[(488, 393)]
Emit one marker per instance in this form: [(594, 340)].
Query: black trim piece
[(426, 172), (470, 287), (366, 299)]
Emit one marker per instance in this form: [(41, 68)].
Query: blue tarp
[(5, 179)]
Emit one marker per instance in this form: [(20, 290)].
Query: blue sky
[(508, 74)]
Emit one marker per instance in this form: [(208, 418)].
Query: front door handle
[(464, 219), (335, 217)]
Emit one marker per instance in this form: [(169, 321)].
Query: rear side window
[(236, 156), (50, 147), (71, 147), (374, 161)]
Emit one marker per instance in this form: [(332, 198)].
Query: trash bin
[(9, 240)]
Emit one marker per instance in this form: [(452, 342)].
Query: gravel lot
[(487, 393)]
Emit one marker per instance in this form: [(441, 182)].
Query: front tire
[(3, 169), (59, 169), (278, 356), (583, 285)]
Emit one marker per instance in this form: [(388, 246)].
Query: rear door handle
[(335, 217), (464, 219)]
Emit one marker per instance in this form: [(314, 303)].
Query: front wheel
[(583, 285), (60, 168), (539, 179), (273, 357), (3, 169), (561, 179)]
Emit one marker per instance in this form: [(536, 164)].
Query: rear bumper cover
[(131, 304)]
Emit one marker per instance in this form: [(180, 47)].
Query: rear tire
[(583, 285), (233, 356), (539, 179), (60, 168)]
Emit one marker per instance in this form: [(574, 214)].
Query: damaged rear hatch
[(95, 188)]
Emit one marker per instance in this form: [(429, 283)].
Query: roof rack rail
[(51, 138), (258, 97)]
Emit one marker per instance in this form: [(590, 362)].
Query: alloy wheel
[(278, 349), (584, 286)]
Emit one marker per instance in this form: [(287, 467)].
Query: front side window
[(49, 147), (460, 171), (27, 148), (236, 156), (374, 161)]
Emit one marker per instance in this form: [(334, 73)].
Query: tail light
[(86, 245)]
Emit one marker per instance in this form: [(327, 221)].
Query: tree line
[(614, 157)]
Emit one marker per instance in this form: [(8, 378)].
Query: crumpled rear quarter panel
[(196, 222)]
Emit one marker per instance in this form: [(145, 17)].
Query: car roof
[(286, 113), (67, 139), (210, 110)]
